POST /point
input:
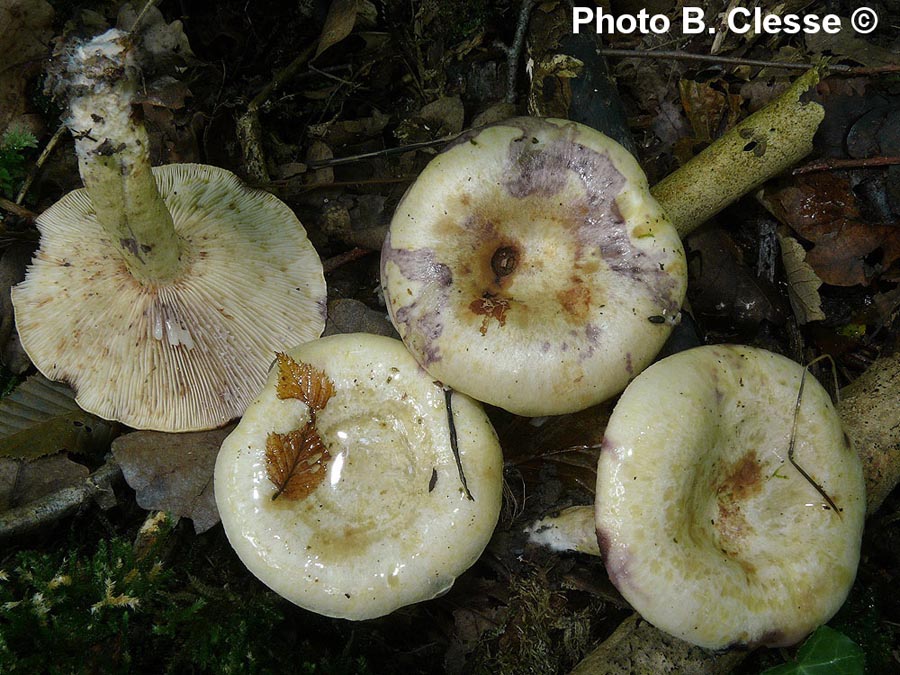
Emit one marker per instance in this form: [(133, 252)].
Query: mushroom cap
[(706, 527), (181, 356), (390, 524), (529, 267)]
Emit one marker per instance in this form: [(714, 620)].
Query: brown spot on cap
[(490, 308), (743, 480), (575, 301), (505, 260)]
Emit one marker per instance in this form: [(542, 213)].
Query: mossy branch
[(768, 142)]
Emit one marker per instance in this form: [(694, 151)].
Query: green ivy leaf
[(825, 652)]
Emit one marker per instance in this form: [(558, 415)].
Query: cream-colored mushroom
[(159, 295), (706, 525), (383, 515), (529, 267)]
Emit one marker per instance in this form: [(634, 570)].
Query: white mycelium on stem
[(114, 159)]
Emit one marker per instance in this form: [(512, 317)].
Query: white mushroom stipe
[(390, 523), (570, 530), (529, 267), (705, 526)]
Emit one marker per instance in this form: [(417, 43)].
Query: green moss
[(12, 160), (111, 610)]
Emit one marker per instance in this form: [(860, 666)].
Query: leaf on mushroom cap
[(296, 462), (705, 526), (382, 519), (303, 382), (184, 355), (532, 251)]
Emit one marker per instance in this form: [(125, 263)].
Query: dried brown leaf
[(173, 472), (303, 382), (706, 106), (338, 24), (346, 315), (823, 209), (803, 284), (447, 114), (25, 481), (161, 47), (296, 462), (848, 44), (26, 27)]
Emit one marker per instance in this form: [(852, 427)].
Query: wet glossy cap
[(705, 526), (529, 267), (178, 356), (389, 522)]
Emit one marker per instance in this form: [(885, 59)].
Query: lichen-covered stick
[(768, 142)]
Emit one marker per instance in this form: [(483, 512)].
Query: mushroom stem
[(762, 146), (114, 160)]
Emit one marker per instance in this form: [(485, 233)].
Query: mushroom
[(722, 518), (159, 295), (529, 267), (340, 488)]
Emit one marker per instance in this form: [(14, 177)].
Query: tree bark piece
[(637, 648)]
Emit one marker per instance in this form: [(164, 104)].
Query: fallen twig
[(53, 507), (514, 51), (16, 210), (831, 164), (673, 55), (337, 161), (249, 130), (45, 153), (334, 262)]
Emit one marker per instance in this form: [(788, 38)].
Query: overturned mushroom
[(529, 267), (715, 512), (159, 295), (350, 487)]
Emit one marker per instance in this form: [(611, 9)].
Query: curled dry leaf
[(296, 462), (304, 383), (803, 284), (339, 23)]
